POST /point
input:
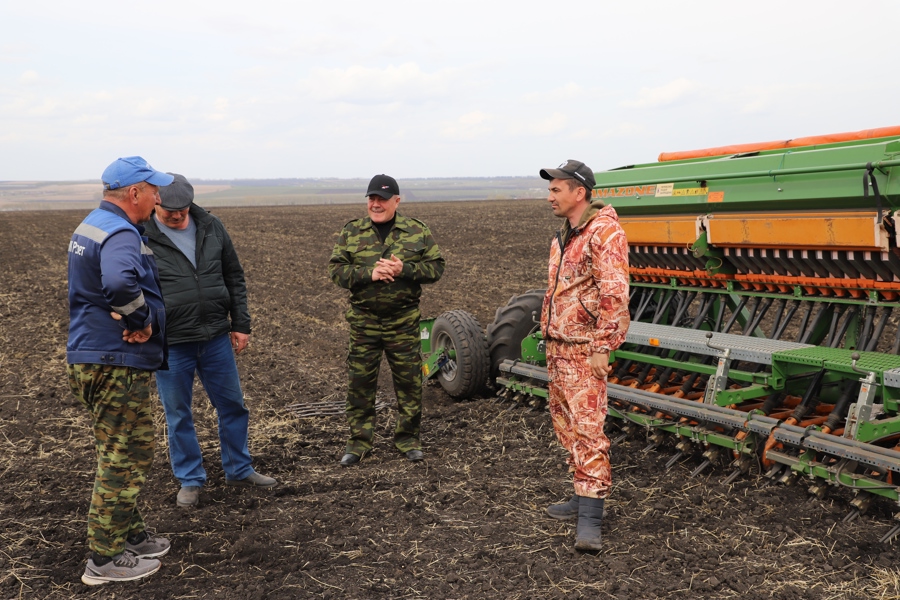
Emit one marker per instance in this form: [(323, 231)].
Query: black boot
[(590, 515), (564, 511)]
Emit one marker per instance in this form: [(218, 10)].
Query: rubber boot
[(590, 515), (564, 511)]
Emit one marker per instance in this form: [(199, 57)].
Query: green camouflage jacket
[(359, 248)]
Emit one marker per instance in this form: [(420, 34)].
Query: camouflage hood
[(596, 207)]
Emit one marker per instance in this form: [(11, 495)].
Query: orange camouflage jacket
[(587, 295)]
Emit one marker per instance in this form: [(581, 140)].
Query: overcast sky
[(262, 89)]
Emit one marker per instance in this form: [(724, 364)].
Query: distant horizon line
[(238, 179), (82, 205)]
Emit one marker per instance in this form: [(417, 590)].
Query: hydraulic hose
[(838, 413), (810, 396)]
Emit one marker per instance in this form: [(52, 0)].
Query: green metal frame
[(806, 464), (425, 327), (813, 177), (431, 361)]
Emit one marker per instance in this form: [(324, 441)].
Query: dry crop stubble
[(466, 523)]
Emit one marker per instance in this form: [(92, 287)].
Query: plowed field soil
[(468, 522)]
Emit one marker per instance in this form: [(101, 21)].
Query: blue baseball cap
[(131, 170)]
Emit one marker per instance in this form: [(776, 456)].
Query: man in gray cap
[(207, 324)]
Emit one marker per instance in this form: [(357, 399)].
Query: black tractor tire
[(460, 331), (512, 324)]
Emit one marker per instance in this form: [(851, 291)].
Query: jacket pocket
[(591, 316)]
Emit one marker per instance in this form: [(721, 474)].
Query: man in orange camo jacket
[(584, 317)]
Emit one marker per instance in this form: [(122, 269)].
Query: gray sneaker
[(188, 496), (254, 479), (123, 567), (144, 545)]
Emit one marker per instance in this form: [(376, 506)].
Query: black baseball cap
[(384, 186), (178, 195), (572, 169)]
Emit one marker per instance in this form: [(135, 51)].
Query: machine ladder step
[(744, 348)]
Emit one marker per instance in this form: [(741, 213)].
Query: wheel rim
[(444, 342)]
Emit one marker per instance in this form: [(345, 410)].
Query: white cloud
[(367, 85), (47, 108), (469, 126), (393, 48), (150, 107), (550, 125), (567, 92), (15, 53), (29, 77), (219, 111), (422, 90), (306, 46), (761, 98), (663, 96), (624, 129), (239, 126)]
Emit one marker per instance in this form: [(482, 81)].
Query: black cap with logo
[(384, 186), (572, 169)]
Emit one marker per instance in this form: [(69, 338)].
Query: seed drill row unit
[(763, 281)]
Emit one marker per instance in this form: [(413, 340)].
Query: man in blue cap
[(116, 342)]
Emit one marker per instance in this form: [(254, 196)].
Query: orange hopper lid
[(814, 140)]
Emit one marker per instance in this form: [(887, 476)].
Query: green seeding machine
[(763, 283)]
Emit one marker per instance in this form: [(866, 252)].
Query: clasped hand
[(134, 337), (386, 269)]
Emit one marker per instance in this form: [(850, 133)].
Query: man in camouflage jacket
[(584, 317), (383, 259)]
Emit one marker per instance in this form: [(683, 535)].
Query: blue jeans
[(214, 362)]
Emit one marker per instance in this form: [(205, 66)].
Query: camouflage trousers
[(578, 409), (398, 339), (118, 399)]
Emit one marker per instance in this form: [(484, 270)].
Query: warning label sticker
[(660, 190), (664, 189), (691, 192)]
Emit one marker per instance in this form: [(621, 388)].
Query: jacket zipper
[(562, 251), (163, 239)]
